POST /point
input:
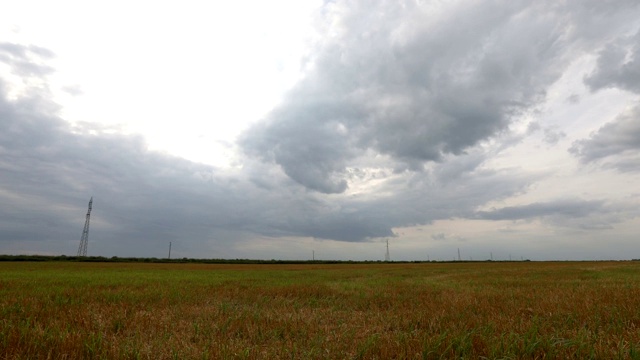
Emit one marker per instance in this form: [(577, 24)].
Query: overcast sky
[(272, 130)]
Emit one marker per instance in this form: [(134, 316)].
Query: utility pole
[(82, 249)]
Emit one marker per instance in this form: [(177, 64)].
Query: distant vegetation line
[(178, 260), (117, 259), (199, 261)]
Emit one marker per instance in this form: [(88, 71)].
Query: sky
[(295, 129)]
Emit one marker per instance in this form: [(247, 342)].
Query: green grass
[(519, 310)]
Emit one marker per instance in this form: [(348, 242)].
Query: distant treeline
[(180, 260), (116, 259), (235, 261)]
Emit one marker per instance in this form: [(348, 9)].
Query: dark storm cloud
[(418, 85)]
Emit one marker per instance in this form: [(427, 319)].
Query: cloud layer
[(415, 120), (423, 83)]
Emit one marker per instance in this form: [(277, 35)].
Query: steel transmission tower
[(82, 249), (387, 257)]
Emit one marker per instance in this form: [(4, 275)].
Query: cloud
[(563, 208), (144, 199), (446, 237), (49, 169), (73, 90), (423, 83), (316, 164), (394, 125), (552, 137), (572, 214), (616, 142), (618, 65), (551, 134), (26, 60)]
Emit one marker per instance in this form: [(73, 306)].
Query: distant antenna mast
[(82, 249), (387, 257)]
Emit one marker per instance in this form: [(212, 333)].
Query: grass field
[(518, 310)]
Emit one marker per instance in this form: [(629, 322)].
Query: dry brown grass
[(375, 311)]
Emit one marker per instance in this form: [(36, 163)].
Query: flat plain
[(494, 310)]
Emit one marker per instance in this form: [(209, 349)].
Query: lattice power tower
[(82, 249), (387, 257)]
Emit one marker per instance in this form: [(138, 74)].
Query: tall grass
[(374, 311)]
